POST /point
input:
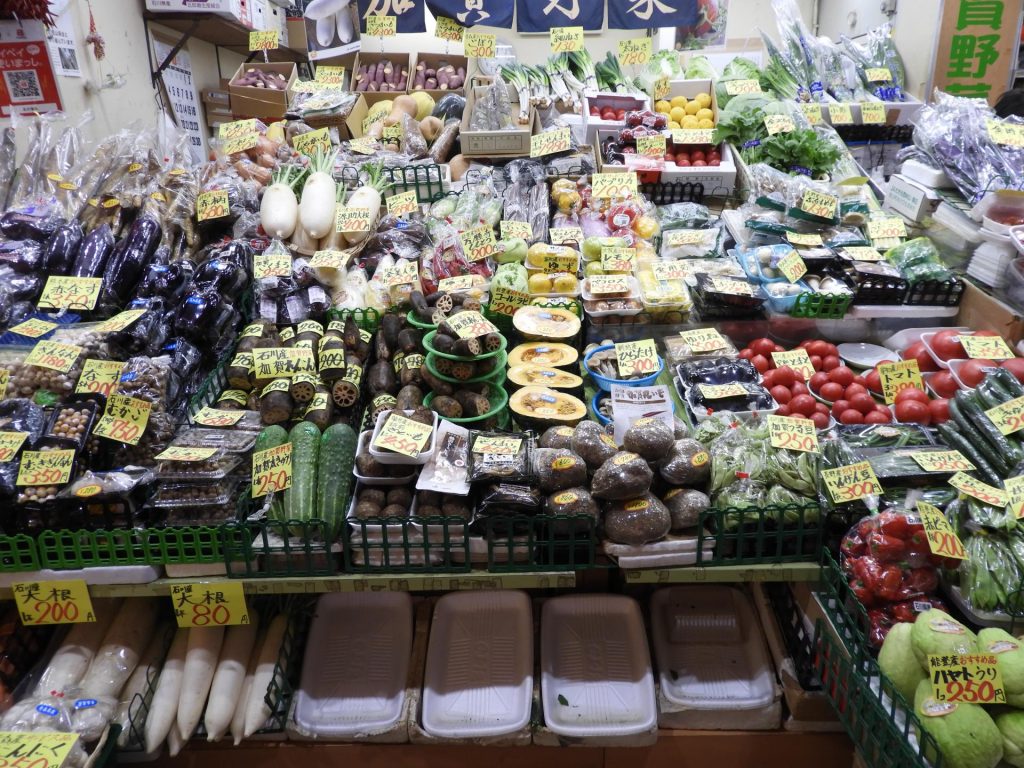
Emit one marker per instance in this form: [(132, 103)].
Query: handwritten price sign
[(214, 417), (406, 202), (549, 142), (330, 75), (10, 444), (209, 605), (53, 355), (237, 129), (470, 325), (560, 259), (41, 749), (478, 244), (212, 205), (812, 113), (803, 238), (120, 321), (887, 229), (693, 135), (851, 482), (563, 235), (896, 377), (604, 285), (614, 185), (730, 286), (457, 283), (1004, 133), (406, 271), (185, 453), (329, 260), (635, 52), (505, 301), (99, 377), (719, 391), (70, 292), (872, 113), (566, 39), (271, 265), (797, 359), (403, 435), (637, 357), (983, 492), (449, 29), (942, 461), (792, 266), (703, 339), (506, 446), (779, 124), (45, 467), (480, 45), (969, 678), (736, 87), (1008, 417), (861, 253), (309, 143), (379, 25), (877, 75), (618, 259), (53, 602), (271, 470), (819, 204), (651, 146), (521, 229), (986, 347), (124, 419), (678, 237), (1014, 487), (33, 328), (792, 434), (264, 40), (353, 219), (840, 114), (942, 539)]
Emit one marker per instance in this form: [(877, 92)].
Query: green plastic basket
[(755, 535), (366, 318), (428, 181), (821, 305), (271, 548), (497, 376), (69, 550), (498, 398), (18, 553), (428, 345), (540, 542), (397, 544), (415, 322)]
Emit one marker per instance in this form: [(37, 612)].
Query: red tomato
[(863, 402), (873, 381), (912, 393), (821, 420), (805, 343), (943, 383), (803, 404), (818, 347), (760, 362), (768, 379), (840, 375), (940, 410), (851, 416), (1015, 365), (831, 391), (785, 376), (746, 354), (855, 389), (817, 380), (781, 394), (783, 410), (878, 417), (821, 408), (831, 362), (918, 351), (972, 372), (779, 349), (947, 346), (860, 380), (763, 346), (839, 406), (799, 388), (815, 362), (913, 411)]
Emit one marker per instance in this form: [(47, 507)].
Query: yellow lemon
[(663, 107), (705, 123), (707, 114), (540, 283), (703, 99), (690, 122), (678, 101), (673, 125), (692, 108), (677, 114)]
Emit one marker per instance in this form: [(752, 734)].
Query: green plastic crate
[(368, 318), (401, 544), (18, 553), (540, 542), (430, 182), (758, 537), (69, 550), (275, 548), (821, 305)]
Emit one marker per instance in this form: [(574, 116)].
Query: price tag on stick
[(209, 605), (53, 602), (797, 359), (704, 340), (986, 347), (942, 461), (70, 293), (124, 419), (942, 539), (983, 492), (792, 434), (403, 436), (637, 357), (1008, 417), (896, 377)]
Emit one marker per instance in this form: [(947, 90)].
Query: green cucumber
[(972, 436), (300, 499), (975, 414), (958, 442), (988, 395), (271, 437), (1009, 382), (334, 476)]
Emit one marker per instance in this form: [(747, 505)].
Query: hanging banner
[(470, 13), (977, 48), (650, 14), (542, 15), (408, 13), (27, 83)]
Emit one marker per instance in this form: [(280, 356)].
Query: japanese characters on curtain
[(647, 14), (469, 13), (409, 14), (542, 15), (977, 43)]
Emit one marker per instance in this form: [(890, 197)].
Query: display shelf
[(726, 574), (904, 311), (218, 31)]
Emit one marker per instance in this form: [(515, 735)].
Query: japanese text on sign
[(10, 443), (513, 228), (39, 749), (792, 434), (212, 205), (819, 204), (479, 45), (185, 453), (872, 113), (549, 142), (505, 301), (470, 325), (797, 359), (478, 244), (497, 445), (812, 112), (969, 678), (603, 285), (401, 204), (651, 146), (449, 29), (618, 259), (718, 391), (209, 605), (792, 266), (45, 467), (329, 260), (983, 492), (120, 321), (779, 124), (730, 285), (803, 238), (272, 470), (840, 114), (99, 377), (330, 75), (353, 219), (635, 51), (271, 265), (1014, 487), (676, 237), (53, 602), (861, 253), (942, 461), (704, 340), (405, 271), (237, 129), (281, 362), (737, 87), (1007, 134), (986, 347), (637, 357), (614, 185), (942, 539), (308, 143), (458, 283), (124, 419), (669, 270), (53, 355), (263, 40), (70, 292), (566, 39), (378, 25), (33, 328), (886, 228), (1008, 417), (851, 482), (895, 377), (562, 235), (403, 435), (214, 417), (692, 135)]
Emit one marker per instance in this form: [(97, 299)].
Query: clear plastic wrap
[(526, 197), (876, 50), (918, 260)]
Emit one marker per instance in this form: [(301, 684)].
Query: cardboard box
[(511, 143), (296, 33), (398, 61), (435, 61), (236, 10), (617, 101), (717, 180), (896, 112), (982, 311), (260, 102), (219, 97), (355, 125)]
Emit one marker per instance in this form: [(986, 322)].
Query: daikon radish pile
[(163, 710), (279, 208), (204, 644), (72, 659), (145, 671), (257, 711), (229, 678), (316, 208)]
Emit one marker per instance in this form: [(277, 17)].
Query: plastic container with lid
[(392, 457), (663, 295), (217, 467), (1013, 289), (222, 439)]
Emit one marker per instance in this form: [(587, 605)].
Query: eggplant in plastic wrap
[(237, 251), (224, 276), (147, 334), (22, 256), (25, 287), (186, 359), (94, 252), (165, 281), (449, 106), (305, 303), (23, 416), (203, 317), (130, 258), (18, 225), (61, 249), (20, 311)]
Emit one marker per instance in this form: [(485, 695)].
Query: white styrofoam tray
[(596, 677), (361, 644), (900, 340), (479, 673), (709, 649)]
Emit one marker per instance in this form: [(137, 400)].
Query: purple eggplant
[(126, 264), (62, 247), (94, 252), (22, 256), (222, 275), (24, 226), (167, 281), (203, 316)]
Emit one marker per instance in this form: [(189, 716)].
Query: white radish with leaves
[(229, 678), (367, 196), (238, 720), (316, 208), (163, 709), (72, 659), (279, 209), (145, 673), (257, 711), (334, 240), (204, 645)]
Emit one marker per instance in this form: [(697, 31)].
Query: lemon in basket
[(662, 107), (678, 101), (690, 121), (705, 114), (705, 123), (673, 125), (677, 114), (692, 108), (703, 100)]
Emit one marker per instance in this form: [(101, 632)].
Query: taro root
[(591, 442), (685, 506), (624, 476), (558, 468), (636, 521), (557, 437), (650, 437)]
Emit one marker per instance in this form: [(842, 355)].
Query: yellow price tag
[(983, 492), (45, 467), (560, 258), (5, 378), (363, 146), (185, 453), (719, 391), (53, 355), (877, 75), (120, 321), (405, 271), (566, 39), (693, 135), (797, 359), (970, 678), (282, 362), (353, 219), (618, 259), (635, 51), (792, 434), (33, 328), (10, 444), (124, 419), (888, 228), (614, 185), (39, 749), (563, 235), (872, 113), (329, 260), (401, 204), (308, 143), (402, 435), (272, 470), (237, 129), (792, 266), (479, 45), (1007, 134), (803, 238), (986, 347), (779, 124), (70, 292), (520, 229), (99, 377), (861, 253), (215, 417), (704, 340), (840, 114), (812, 112), (457, 283), (505, 446), (448, 29), (677, 237), (669, 270), (505, 301), (271, 265), (1014, 487), (209, 605), (737, 87), (896, 377), (549, 142), (730, 285), (636, 357), (470, 325), (651, 146), (942, 539), (479, 243), (851, 482), (662, 86), (819, 204), (236, 145), (263, 40), (942, 461), (212, 205), (1008, 417), (330, 75), (378, 25), (602, 285)]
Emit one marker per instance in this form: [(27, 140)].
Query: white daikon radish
[(333, 240), (257, 711), (124, 642), (163, 709), (316, 209), (238, 720), (146, 670), (303, 242), (174, 742), (279, 209), (367, 196), (75, 654), (204, 645), (229, 678)]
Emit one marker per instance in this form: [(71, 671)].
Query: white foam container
[(364, 447), (361, 644), (674, 549), (102, 574), (713, 664), (390, 457), (479, 672), (594, 657)]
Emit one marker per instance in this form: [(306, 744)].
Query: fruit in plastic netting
[(965, 733), (937, 633), (898, 662), (1011, 726), (1009, 658)]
